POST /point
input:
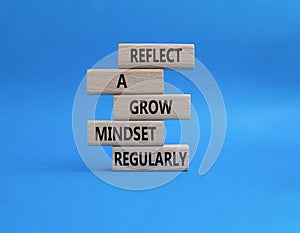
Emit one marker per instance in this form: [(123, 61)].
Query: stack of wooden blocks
[(140, 107)]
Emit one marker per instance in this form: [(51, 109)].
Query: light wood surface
[(155, 107), (136, 133), (174, 56), (125, 81), (162, 158)]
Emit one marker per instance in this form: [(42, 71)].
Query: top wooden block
[(173, 56)]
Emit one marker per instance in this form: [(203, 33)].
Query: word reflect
[(155, 55)]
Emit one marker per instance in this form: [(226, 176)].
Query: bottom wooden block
[(151, 158)]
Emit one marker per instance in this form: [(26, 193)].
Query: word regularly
[(154, 158), (148, 159)]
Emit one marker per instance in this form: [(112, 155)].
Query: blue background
[(252, 50)]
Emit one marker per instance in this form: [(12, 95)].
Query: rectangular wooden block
[(162, 158), (136, 133), (157, 107), (174, 56), (125, 81)]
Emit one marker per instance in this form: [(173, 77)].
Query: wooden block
[(157, 107), (125, 81), (174, 56), (153, 158), (136, 133)]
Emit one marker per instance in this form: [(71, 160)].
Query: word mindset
[(113, 133), (125, 132)]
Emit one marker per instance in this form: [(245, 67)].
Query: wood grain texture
[(162, 158), (138, 81), (136, 133), (173, 56), (155, 107)]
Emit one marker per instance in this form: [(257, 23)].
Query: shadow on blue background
[(252, 50)]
